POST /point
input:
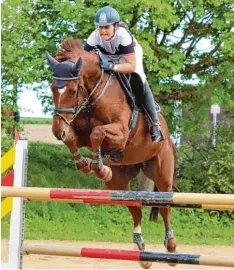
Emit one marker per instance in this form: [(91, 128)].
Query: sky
[(30, 105)]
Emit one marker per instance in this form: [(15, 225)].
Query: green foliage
[(193, 42), (203, 168), (7, 142), (53, 166), (8, 126)]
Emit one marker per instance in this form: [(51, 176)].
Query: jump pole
[(18, 210), (79, 195), (131, 255), (41, 194)]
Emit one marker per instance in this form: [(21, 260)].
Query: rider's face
[(106, 32)]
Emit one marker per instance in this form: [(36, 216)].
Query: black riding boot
[(150, 110)]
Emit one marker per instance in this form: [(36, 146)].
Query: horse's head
[(76, 73), (65, 88)]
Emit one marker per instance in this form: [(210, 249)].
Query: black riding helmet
[(106, 16)]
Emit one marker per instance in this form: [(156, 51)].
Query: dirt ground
[(41, 133), (49, 262), (44, 133)]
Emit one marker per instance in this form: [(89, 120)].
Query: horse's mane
[(69, 49)]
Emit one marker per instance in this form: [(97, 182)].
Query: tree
[(171, 33)]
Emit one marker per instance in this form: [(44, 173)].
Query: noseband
[(85, 103)]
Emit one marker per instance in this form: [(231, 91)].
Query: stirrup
[(156, 134)]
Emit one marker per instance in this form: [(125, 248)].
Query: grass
[(36, 121), (53, 166), (60, 221)]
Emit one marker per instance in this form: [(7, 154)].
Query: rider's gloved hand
[(107, 66)]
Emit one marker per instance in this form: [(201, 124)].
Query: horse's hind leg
[(161, 171), (120, 181)]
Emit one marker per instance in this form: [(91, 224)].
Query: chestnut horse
[(91, 110)]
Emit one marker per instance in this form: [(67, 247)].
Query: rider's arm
[(129, 66), (91, 43), (88, 47), (126, 48)]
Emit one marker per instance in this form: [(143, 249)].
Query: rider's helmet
[(106, 16)]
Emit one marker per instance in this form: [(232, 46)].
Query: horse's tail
[(175, 165), (154, 210)]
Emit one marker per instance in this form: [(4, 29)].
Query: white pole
[(215, 109), (176, 136), (17, 213), (214, 129)]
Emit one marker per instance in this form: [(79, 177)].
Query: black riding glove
[(107, 66)]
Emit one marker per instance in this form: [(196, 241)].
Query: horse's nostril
[(63, 135), (58, 136)]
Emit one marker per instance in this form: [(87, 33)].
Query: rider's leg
[(150, 109), (147, 98)]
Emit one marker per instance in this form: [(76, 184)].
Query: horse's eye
[(72, 92)]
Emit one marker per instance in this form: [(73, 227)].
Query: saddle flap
[(124, 80), (134, 89)]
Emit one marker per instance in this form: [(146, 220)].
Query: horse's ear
[(76, 68), (51, 61)]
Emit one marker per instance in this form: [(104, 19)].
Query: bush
[(7, 142), (9, 122), (206, 169), (203, 168)]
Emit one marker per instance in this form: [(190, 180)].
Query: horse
[(91, 110)]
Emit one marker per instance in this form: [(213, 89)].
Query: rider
[(120, 52)]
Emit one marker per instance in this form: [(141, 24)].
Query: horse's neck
[(91, 71), (93, 81)]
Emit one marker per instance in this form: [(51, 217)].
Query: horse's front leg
[(82, 163), (115, 136)]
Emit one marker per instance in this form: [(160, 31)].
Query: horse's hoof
[(105, 174), (84, 166), (172, 264), (145, 265), (171, 247), (86, 170), (108, 174)]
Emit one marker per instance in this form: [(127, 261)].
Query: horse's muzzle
[(61, 136)]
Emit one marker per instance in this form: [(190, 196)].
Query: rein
[(86, 102)]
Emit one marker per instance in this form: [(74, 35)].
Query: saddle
[(133, 88)]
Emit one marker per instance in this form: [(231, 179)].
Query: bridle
[(86, 103)]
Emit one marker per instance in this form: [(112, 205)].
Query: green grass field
[(36, 121), (53, 166)]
